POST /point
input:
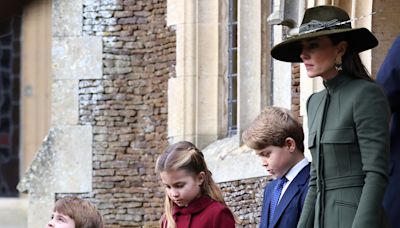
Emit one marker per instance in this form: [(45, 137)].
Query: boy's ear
[(291, 144)]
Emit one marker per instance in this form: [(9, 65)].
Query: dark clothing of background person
[(389, 77)]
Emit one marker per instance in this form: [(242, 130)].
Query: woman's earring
[(338, 63)]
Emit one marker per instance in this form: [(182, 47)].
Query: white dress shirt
[(292, 174)]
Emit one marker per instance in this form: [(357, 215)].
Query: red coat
[(202, 213)]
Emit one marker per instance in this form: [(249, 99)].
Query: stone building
[(91, 91)]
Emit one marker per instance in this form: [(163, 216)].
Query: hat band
[(315, 25)]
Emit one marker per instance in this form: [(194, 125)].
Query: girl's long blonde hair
[(185, 156)]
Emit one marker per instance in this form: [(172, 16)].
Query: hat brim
[(360, 39)]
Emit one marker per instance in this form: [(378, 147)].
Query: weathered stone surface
[(76, 58), (58, 166), (122, 65), (244, 197), (67, 18), (64, 102), (296, 91), (222, 156)]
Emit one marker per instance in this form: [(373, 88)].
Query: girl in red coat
[(192, 199)]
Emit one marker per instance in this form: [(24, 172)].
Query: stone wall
[(386, 28), (296, 91), (128, 111), (244, 198), (128, 107)]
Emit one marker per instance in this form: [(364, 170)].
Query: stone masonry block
[(67, 18), (77, 58), (65, 100), (63, 163)]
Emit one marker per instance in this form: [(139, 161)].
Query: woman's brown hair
[(351, 61)]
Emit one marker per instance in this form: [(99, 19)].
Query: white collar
[(296, 169)]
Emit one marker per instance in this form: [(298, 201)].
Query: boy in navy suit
[(277, 137)]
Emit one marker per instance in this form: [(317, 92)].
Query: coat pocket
[(342, 135), (346, 213)]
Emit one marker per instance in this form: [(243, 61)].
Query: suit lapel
[(289, 194)]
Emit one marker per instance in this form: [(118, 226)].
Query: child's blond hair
[(185, 156), (84, 214), (271, 128)]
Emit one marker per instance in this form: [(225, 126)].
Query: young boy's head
[(73, 212), (277, 137)]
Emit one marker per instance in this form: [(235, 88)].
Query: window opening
[(10, 31), (232, 67)]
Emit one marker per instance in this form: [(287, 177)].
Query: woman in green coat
[(348, 122)]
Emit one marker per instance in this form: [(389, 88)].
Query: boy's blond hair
[(84, 214), (271, 128)]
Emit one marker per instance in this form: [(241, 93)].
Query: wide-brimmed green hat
[(321, 21)]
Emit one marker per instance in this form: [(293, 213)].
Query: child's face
[(181, 187), (277, 160), (59, 220)]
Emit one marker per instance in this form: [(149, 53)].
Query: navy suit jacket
[(289, 208), (389, 77)]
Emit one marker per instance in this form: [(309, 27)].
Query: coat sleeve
[(307, 214), (371, 117)]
